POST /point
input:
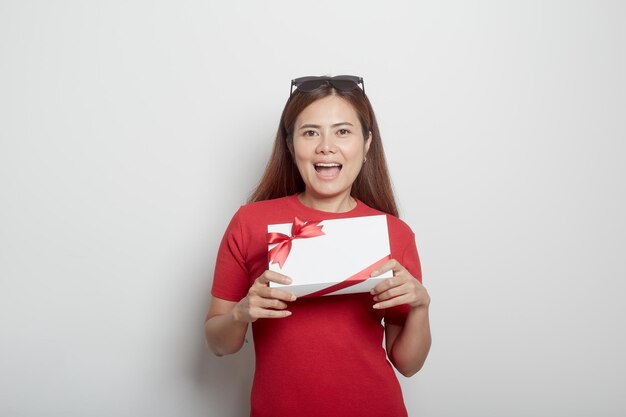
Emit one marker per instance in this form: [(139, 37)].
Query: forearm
[(411, 346), (224, 333)]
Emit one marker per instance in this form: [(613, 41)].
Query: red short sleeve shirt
[(327, 358)]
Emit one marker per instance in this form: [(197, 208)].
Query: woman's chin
[(326, 193)]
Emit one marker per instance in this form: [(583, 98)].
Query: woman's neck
[(336, 204)]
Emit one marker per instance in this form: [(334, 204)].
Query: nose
[(325, 145)]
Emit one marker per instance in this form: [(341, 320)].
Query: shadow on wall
[(223, 383), (226, 382)]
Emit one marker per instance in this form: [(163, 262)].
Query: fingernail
[(287, 313), (293, 297), (374, 273), (376, 306), (372, 291)]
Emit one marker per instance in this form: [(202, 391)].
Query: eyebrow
[(307, 126)]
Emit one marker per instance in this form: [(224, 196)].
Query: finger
[(390, 293), (400, 276), (389, 283), (271, 276), (396, 301), (276, 293), (383, 286), (268, 303), (390, 265), (387, 266), (262, 313)]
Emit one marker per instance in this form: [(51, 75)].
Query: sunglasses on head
[(339, 82)]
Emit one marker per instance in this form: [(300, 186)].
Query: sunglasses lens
[(308, 86), (344, 85)]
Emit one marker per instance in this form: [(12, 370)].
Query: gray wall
[(130, 131)]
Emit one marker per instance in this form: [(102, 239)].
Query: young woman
[(321, 356)]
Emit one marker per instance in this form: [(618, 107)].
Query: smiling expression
[(329, 148)]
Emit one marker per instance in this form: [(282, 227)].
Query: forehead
[(328, 110)]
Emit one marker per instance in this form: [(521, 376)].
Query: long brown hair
[(282, 178)]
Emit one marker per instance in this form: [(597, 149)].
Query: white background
[(130, 132)]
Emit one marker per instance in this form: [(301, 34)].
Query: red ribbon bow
[(299, 230)]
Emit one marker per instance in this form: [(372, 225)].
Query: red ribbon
[(299, 230), (359, 277)]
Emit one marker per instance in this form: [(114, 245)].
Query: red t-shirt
[(327, 358)]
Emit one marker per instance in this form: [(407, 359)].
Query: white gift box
[(330, 257)]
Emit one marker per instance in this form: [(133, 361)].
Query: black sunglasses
[(340, 82)]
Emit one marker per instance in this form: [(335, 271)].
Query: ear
[(289, 143), (368, 142)]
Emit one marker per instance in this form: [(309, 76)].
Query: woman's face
[(329, 147)]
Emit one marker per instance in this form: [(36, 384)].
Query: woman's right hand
[(263, 301)]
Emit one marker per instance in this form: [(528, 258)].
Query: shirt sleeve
[(410, 260), (231, 277)]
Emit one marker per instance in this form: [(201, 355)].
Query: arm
[(224, 334), (408, 344), (227, 321)]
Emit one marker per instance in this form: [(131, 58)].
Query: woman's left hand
[(402, 288)]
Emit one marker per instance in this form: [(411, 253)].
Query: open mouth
[(328, 170)]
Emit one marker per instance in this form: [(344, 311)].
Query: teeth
[(327, 165)]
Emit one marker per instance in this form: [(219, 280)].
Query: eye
[(343, 132), (309, 133)]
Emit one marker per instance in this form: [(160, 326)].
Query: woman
[(321, 356)]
